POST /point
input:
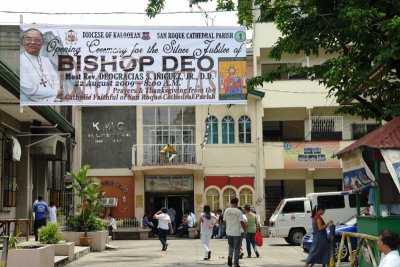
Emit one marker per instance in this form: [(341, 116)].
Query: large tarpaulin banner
[(91, 65), (356, 173), (392, 160), (304, 155)]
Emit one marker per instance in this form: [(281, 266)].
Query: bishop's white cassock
[(38, 79)]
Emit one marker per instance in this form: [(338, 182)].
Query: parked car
[(349, 226), (292, 218)]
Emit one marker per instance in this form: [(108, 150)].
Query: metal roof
[(385, 137)]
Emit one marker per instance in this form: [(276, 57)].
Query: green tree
[(88, 189), (363, 37)]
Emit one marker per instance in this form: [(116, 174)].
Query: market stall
[(373, 162)]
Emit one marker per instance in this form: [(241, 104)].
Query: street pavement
[(189, 252)]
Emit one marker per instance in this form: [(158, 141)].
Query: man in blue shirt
[(40, 209)]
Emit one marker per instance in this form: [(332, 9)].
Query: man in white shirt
[(38, 78), (164, 225), (172, 214), (233, 219), (191, 219), (387, 244)]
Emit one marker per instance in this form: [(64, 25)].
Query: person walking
[(252, 228), (207, 222), (40, 209), (319, 251), (388, 243), (52, 212), (221, 226), (112, 224), (164, 225), (242, 232), (233, 219)]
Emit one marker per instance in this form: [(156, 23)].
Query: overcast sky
[(132, 6)]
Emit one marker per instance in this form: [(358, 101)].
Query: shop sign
[(169, 183)]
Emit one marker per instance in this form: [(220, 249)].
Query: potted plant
[(88, 189), (51, 234), (34, 254)]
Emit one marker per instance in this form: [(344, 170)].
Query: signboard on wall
[(108, 134), (356, 173), (102, 65), (169, 183), (306, 155)]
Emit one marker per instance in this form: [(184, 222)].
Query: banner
[(92, 65), (392, 160), (356, 173), (311, 155)]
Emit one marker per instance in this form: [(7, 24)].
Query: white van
[(292, 218)]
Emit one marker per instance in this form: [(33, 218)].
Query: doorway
[(180, 202)]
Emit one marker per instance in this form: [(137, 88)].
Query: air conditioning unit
[(110, 202)]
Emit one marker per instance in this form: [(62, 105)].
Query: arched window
[(212, 130), (246, 197), (227, 195), (212, 198), (244, 130), (228, 130)]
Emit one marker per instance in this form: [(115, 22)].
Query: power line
[(291, 92), (110, 13)]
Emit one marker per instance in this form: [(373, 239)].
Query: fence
[(128, 223), (327, 123), (361, 239), (66, 208)]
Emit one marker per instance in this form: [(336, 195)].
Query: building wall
[(294, 102), (122, 188), (224, 160)]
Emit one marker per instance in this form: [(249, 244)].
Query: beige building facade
[(301, 130), (217, 154)]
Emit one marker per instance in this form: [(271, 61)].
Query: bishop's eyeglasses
[(33, 40)]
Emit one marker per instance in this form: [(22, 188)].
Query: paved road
[(189, 252)]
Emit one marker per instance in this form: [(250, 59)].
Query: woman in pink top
[(207, 222)]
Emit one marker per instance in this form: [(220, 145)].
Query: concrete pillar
[(139, 194), (310, 181)]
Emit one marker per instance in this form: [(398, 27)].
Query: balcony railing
[(326, 128), (185, 154)]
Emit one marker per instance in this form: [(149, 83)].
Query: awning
[(53, 146)]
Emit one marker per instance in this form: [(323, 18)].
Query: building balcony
[(149, 155)]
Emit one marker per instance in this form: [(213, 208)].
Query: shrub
[(13, 240), (50, 234), (84, 222)]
